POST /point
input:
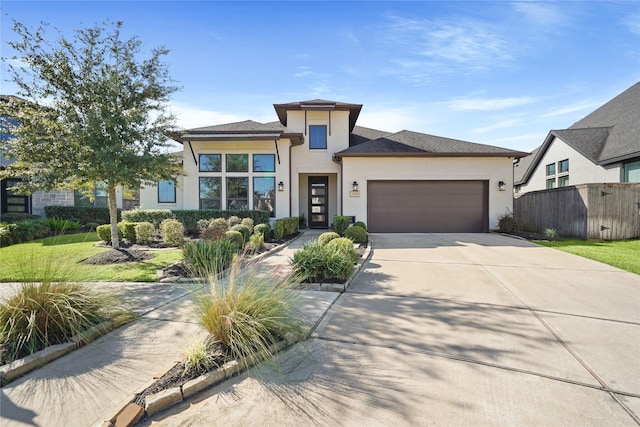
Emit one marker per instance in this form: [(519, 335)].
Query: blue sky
[(499, 73)]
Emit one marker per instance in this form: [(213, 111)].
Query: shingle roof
[(522, 165), (407, 143), (246, 130), (362, 134)]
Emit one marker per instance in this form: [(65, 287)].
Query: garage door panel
[(427, 206)]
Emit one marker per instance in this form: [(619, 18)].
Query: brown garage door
[(427, 206)]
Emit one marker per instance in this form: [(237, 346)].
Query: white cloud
[(488, 104), (502, 124), (632, 22), (392, 119), (538, 13), (303, 71), (568, 109), (189, 117)]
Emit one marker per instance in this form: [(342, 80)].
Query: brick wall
[(41, 199)]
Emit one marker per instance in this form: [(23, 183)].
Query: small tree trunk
[(113, 217)]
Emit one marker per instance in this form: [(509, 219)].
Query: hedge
[(23, 231), (284, 227), (190, 218), (84, 214)]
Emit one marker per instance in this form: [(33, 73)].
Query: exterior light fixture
[(354, 186), (501, 185), (281, 186)]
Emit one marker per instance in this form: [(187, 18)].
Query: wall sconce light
[(281, 186), (354, 186), (501, 185)]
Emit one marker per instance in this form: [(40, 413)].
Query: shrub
[(318, 263), (340, 224), (550, 233), (6, 233), (205, 258), (104, 232), (172, 232), (360, 224), (236, 238), (12, 217), (197, 358), (91, 225), (233, 220), (263, 229), (144, 232), (248, 222), (24, 231), (256, 242), (154, 216), (127, 230), (59, 224), (356, 233), (43, 314), (215, 230), (325, 238), (344, 246), (190, 217), (246, 233), (84, 214), (285, 227), (202, 224), (506, 223), (249, 316)]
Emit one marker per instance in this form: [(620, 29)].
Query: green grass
[(32, 260), (623, 254)]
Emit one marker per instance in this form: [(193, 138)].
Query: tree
[(91, 112)]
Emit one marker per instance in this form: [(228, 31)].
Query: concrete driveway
[(447, 329)]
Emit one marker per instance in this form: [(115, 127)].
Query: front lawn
[(623, 254), (59, 258)]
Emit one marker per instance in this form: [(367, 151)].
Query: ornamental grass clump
[(42, 314), (205, 258), (316, 263), (248, 313)]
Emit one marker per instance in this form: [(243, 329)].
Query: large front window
[(237, 163), (264, 163), (264, 194), (238, 193), (210, 163), (318, 137), (210, 192)]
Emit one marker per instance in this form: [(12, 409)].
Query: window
[(100, 197), (517, 189), (238, 193), (318, 137), (167, 191), (264, 163), (264, 194), (551, 183), (551, 169), (210, 192), (210, 163), (237, 163), (563, 181), (563, 166), (632, 172)]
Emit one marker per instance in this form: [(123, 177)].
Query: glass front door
[(11, 202), (318, 201)]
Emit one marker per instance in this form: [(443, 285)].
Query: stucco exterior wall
[(581, 170), (479, 168)]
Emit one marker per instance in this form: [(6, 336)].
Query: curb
[(131, 413), (20, 367)]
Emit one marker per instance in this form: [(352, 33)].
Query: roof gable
[(319, 105)]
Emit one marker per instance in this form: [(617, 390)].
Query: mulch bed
[(118, 256)]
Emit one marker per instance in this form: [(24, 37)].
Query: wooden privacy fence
[(586, 211)]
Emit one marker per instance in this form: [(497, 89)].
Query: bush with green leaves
[(215, 229), (345, 246), (507, 224), (83, 214), (13, 217), (256, 242), (154, 216), (325, 238), (340, 224), (233, 220), (127, 230), (356, 233), (91, 225), (60, 225), (144, 232), (246, 233), (206, 258), (104, 232), (360, 224), (322, 263), (248, 315), (42, 314), (236, 238), (24, 231), (202, 224), (6, 230), (248, 222), (263, 229), (172, 232), (285, 227)]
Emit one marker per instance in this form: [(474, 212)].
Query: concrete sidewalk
[(88, 385)]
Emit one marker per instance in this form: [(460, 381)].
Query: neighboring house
[(315, 162), (603, 147), (11, 202)]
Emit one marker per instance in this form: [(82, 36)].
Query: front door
[(13, 203), (318, 201)]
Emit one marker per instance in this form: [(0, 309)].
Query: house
[(12, 202), (603, 147), (314, 161)]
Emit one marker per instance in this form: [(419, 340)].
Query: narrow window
[(210, 192), (264, 163), (551, 183), (551, 169), (563, 166), (318, 137), (264, 194), (237, 163), (632, 172), (210, 163), (563, 181), (167, 191), (237, 193)]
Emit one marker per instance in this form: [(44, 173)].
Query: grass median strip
[(623, 254)]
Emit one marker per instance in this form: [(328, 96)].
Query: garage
[(428, 206)]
